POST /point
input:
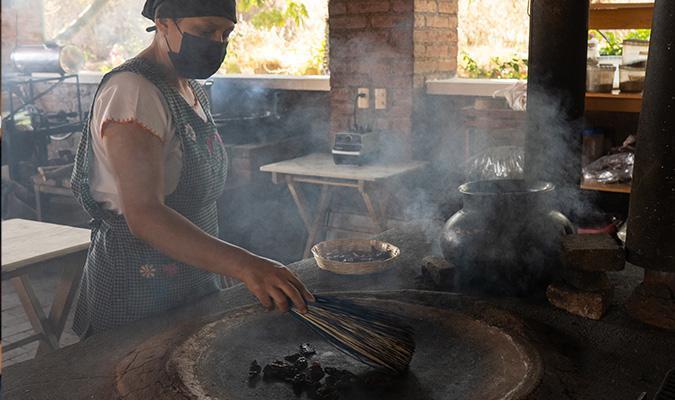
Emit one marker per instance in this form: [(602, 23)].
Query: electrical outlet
[(364, 98), (380, 99)]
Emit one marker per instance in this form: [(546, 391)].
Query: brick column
[(395, 45)]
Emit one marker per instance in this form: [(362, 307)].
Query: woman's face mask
[(199, 57)]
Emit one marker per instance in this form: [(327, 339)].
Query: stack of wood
[(584, 288)]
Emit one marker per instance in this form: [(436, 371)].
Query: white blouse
[(128, 97)]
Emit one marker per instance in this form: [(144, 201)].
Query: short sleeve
[(129, 97)]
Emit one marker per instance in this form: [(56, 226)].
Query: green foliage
[(471, 66), (612, 43), (514, 68), (247, 5), (266, 15), (272, 36), (316, 64), (639, 34), (268, 19)]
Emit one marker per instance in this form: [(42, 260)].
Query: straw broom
[(372, 336)]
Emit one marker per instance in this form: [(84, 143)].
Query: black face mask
[(198, 58)]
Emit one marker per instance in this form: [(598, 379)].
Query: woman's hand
[(273, 284)]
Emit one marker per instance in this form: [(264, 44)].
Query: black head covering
[(190, 8)]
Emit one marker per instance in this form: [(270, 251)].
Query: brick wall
[(395, 45), (22, 24)]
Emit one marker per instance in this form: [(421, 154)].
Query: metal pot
[(506, 238), (47, 58)]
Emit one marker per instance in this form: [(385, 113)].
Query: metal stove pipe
[(556, 90), (650, 241)]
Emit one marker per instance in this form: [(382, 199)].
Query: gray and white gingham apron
[(124, 278)]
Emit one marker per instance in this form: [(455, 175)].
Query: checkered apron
[(124, 278)]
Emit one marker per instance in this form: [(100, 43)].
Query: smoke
[(432, 126), (554, 151)]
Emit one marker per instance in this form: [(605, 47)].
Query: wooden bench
[(31, 246)]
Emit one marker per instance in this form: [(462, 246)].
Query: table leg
[(33, 309), (373, 213), (64, 297), (38, 202), (300, 202), (319, 219)]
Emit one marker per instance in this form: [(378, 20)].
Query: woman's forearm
[(177, 237)]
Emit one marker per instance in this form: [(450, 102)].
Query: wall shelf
[(606, 187), (621, 16), (616, 102)]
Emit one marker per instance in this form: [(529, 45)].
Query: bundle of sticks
[(375, 337)]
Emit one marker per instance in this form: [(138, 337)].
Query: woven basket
[(320, 251)]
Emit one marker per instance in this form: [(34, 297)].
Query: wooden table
[(29, 246), (319, 169)]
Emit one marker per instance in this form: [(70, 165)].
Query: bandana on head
[(190, 8)]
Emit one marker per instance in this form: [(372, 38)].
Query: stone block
[(592, 253), (653, 305), (584, 280), (437, 273), (587, 304)]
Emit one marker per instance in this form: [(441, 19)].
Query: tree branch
[(86, 16)]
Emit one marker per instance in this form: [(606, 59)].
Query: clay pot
[(506, 238)]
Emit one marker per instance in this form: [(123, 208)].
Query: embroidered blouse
[(128, 97)]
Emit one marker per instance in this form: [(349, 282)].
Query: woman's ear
[(162, 25)]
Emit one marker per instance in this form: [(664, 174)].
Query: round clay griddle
[(456, 357)]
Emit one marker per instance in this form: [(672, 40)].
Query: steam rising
[(265, 219)]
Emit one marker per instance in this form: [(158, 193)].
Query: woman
[(149, 169)]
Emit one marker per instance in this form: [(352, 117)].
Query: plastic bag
[(621, 234), (613, 168), (502, 162), (515, 95)]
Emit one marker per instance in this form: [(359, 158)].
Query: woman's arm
[(136, 158)]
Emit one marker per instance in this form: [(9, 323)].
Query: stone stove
[(457, 357), (614, 358)]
